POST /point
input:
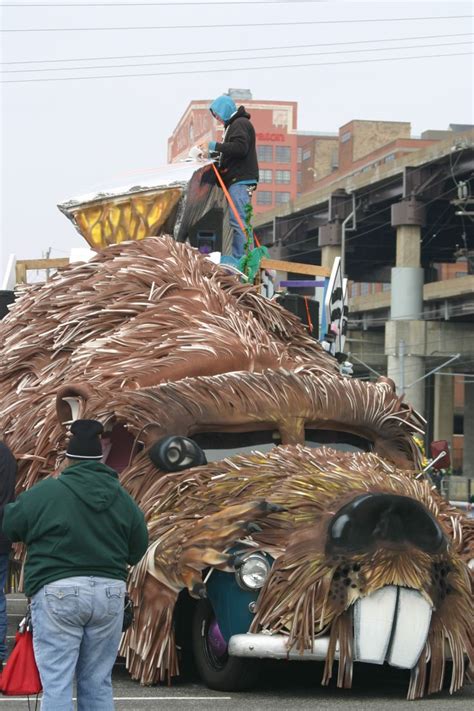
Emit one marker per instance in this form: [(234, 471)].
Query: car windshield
[(341, 441), (219, 445)]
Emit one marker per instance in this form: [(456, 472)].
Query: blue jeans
[(77, 625), (4, 557), (240, 195)]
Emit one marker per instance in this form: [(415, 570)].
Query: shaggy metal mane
[(136, 315), (288, 401), (153, 339)]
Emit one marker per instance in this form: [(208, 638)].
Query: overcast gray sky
[(64, 138)]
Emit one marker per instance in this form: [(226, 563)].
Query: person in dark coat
[(8, 470), (238, 164), (82, 530)]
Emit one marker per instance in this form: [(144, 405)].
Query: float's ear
[(70, 401), (172, 454)]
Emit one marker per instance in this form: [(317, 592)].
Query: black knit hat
[(85, 441)]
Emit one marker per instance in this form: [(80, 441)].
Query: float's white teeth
[(391, 625), (373, 622), (411, 629)]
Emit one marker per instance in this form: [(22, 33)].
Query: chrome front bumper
[(275, 646)]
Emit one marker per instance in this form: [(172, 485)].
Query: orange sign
[(271, 137)]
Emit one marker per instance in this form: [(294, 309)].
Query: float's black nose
[(375, 519)]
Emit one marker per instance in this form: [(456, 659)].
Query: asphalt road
[(283, 686)]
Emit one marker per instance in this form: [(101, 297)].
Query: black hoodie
[(238, 151)]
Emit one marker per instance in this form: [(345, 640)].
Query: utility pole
[(47, 256), (401, 356)]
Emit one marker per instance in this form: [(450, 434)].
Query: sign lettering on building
[(280, 137)]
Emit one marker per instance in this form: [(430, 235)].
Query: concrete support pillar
[(329, 254), (443, 416), (329, 239), (468, 457), (407, 275), (406, 362), (404, 368), (408, 246)]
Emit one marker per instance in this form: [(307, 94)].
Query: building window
[(346, 137), (390, 157), (282, 176), (299, 154), (364, 288), (282, 198), (282, 154), (265, 154), (264, 197), (299, 177), (266, 176), (306, 154), (386, 286)]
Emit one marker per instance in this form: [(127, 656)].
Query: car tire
[(220, 672)]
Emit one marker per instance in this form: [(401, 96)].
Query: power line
[(248, 49), (388, 222), (248, 69), (374, 214), (235, 59), (159, 4), (294, 217), (373, 229), (432, 227), (247, 25)]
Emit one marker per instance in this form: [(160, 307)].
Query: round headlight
[(253, 572)]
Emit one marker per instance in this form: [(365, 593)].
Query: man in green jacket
[(82, 531)]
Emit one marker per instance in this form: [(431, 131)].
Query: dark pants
[(4, 557)]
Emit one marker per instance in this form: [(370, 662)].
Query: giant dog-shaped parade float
[(288, 515)]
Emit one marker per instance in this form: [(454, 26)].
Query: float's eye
[(176, 453)]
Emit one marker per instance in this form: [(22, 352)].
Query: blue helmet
[(223, 107)]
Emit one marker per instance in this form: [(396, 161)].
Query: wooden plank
[(20, 273), (42, 263), (294, 267)]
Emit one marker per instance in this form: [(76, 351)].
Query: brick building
[(293, 162), (359, 146)]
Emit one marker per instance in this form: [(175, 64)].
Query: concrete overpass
[(393, 223)]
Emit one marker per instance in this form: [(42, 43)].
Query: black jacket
[(8, 471), (238, 151)]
